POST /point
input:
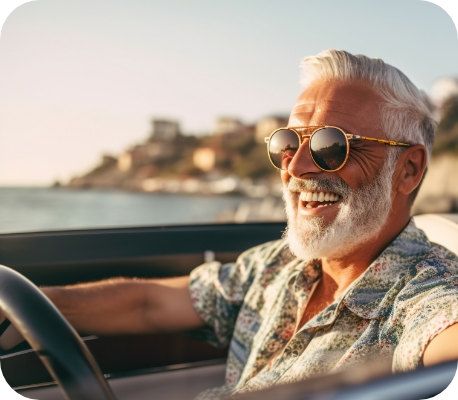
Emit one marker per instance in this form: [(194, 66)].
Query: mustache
[(338, 185)]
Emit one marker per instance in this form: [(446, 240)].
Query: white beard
[(361, 216)]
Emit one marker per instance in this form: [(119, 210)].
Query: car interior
[(166, 365)]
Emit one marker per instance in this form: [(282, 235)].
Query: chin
[(358, 218)]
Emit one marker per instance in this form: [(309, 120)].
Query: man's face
[(363, 184)]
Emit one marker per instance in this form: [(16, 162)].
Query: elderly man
[(352, 280)]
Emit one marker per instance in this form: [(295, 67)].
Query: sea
[(37, 209)]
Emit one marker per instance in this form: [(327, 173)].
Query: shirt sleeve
[(217, 292), (435, 311)]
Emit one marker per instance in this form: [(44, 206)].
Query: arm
[(127, 306), (444, 347)]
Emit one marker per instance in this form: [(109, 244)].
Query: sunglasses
[(329, 146)]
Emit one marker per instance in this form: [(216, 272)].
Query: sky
[(83, 78)]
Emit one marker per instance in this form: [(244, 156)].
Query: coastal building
[(163, 129), (227, 125), (144, 154), (133, 157), (267, 125), (125, 161), (204, 158)]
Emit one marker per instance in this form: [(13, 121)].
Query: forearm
[(114, 306), (107, 307), (122, 306), (127, 306)]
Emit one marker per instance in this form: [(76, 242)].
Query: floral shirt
[(407, 296)]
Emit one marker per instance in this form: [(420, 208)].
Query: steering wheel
[(59, 347)]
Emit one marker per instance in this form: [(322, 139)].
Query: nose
[(302, 163)]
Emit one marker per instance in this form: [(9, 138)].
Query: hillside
[(232, 160), (439, 191)]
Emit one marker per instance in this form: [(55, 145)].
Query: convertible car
[(58, 364)]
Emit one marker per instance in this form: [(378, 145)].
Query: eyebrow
[(327, 106), (327, 101), (318, 111)]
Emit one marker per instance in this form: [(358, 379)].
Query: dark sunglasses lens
[(329, 148), (283, 144)]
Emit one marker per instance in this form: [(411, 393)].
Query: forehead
[(353, 106)]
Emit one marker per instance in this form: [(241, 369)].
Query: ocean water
[(44, 209)]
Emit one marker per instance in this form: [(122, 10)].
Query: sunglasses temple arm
[(389, 142)]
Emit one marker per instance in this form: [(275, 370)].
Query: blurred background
[(126, 113)]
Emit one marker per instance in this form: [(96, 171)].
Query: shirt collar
[(373, 292)]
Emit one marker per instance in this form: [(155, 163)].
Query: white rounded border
[(8, 6)]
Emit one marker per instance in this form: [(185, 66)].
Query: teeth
[(308, 206), (305, 196), (318, 196)]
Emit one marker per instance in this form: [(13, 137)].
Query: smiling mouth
[(316, 199)]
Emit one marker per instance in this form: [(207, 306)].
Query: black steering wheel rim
[(60, 348)]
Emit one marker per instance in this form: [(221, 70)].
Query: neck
[(339, 273)]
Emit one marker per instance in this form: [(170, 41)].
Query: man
[(353, 279)]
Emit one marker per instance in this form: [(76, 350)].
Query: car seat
[(440, 228)]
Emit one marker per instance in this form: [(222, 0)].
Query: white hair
[(406, 113)]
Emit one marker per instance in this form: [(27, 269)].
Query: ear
[(411, 167)]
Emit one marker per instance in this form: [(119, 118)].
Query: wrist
[(53, 293)]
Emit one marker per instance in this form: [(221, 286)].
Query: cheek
[(285, 177), (353, 177), (361, 169)]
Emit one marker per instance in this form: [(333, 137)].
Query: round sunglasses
[(329, 146)]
